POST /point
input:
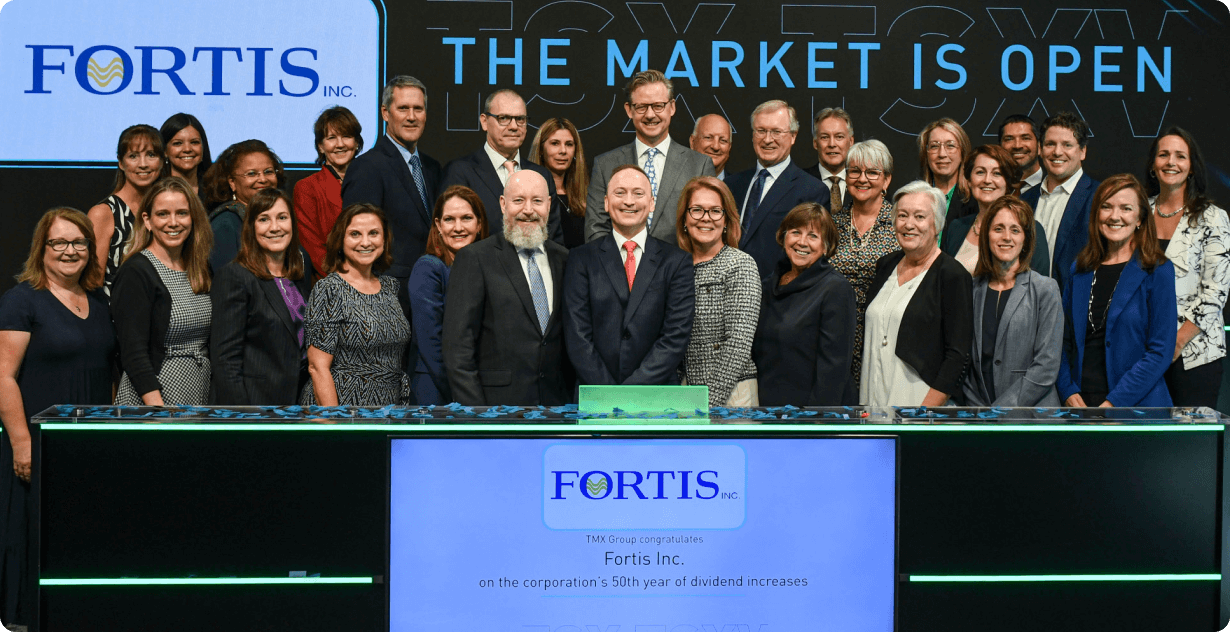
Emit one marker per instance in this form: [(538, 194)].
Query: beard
[(523, 235)]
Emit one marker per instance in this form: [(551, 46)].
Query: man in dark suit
[(1063, 201), (503, 336), (668, 165), (832, 135), (767, 192), (629, 296), (397, 177), (487, 170)]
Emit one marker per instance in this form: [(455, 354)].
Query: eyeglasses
[(268, 173), (60, 245), (934, 148), (640, 108), (504, 119), (761, 132), (855, 174), (696, 212)]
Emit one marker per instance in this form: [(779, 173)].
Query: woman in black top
[(805, 338), (259, 299), (557, 146), (141, 161), (161, 300), (187, 149), (243, 169), (56, 347)]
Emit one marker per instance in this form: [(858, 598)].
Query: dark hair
[(731, 231), (335, 261), (435, 241), (1197, 175), (986, 266), (131, 137), (197, 246), (217, 189), (176, 124), (810, 214), (343, 123), (91, 276), (576, 177), (1007, 167), (1144, 241), (1020, 118), (251, 255), (1070, 122)]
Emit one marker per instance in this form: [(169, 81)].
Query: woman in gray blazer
[(1018, 315)]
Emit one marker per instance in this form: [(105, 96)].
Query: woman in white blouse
[(1195, 234)]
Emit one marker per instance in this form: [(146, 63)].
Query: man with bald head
[(711, 137), (628, 297), (503, 334)]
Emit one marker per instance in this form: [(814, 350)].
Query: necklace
[(1168, 215), (69, 301), (1106, 313)]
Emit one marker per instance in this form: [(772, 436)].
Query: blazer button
[(627, 335), (542, 374), (998, 362)]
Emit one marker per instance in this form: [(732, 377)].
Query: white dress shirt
[(825, 175), (774, 173), (1032, 180), (887, 380), (1051, 207), (498, 160), (544, 268), (638, 252)]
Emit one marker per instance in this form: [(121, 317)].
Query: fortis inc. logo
[(105, 69), (636, 485)]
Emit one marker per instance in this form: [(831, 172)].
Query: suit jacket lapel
[(613, 263), (1082, 287), (269, 288), (645, 273), (1020, 290), (668, 181), (407, 179), (777, 190), (510, 259), (556, 261), (1130, 279), (486, 171)]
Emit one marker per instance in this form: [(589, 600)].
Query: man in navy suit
[(628, 296), (487, 170), (1062, 202), (767, 192), (398, 178)]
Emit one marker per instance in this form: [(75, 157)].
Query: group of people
[(1004, 276)]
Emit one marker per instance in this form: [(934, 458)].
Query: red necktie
[(630, 262)]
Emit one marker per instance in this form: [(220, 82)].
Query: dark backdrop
[(891, 96)]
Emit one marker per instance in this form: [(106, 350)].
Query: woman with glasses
[(805, 338), (243, 169), (56, 347), (719, 354), (942, 148), (864, 229), (557, 146), (141, 157), (162, 310), (992, 174)]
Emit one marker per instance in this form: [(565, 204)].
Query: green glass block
[(633, 405)]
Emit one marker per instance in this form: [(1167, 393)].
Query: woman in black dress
[(557, 146), (56, 347), (355, 329), (141, 160), (256, 345)]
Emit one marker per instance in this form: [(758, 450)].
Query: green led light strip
[(202, 581), (587, 429), (1216, 577)]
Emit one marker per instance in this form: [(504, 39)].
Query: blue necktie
[(753, 199), (416, 171), (650, 171), (538, 289)]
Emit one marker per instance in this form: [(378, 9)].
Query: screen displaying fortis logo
[(644, 486)]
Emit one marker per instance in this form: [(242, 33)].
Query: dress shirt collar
[(776, 170), (662, 147), (401, 149), (638, 238), (825, 174), (1035, 178), (1069, 185), (538, 250), (722, 175), (498, 159)]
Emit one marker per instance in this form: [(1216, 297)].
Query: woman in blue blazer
[(1121, 301)]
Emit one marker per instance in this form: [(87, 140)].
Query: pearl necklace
[(1168, 215)]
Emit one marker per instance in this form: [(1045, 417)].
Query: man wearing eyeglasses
[(487, 170), (668, 165), (766, 193)]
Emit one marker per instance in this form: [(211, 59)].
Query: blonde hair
[(197, 246)]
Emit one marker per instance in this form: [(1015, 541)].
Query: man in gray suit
[(669, 165)]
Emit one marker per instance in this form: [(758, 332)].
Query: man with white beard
[(503, 340)]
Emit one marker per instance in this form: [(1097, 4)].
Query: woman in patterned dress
[(354, 328), (141, 159), (864, 229), (1199, 248), (719, 352), (259, 300), (161, 301)]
